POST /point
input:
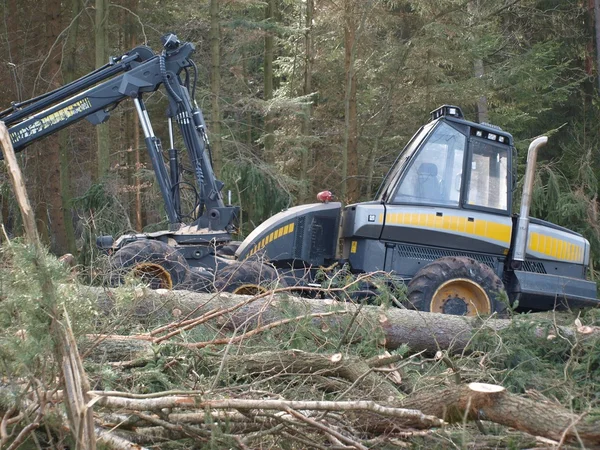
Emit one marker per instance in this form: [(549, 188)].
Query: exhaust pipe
[(520, 246)]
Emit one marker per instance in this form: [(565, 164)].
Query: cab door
[(451, 199)]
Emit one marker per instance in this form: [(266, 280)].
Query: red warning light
[(325, 196)]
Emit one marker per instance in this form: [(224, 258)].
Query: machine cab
[(448, 193), (453, 163)]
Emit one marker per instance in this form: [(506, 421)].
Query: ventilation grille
[(299, 241), (431, 254), (322, 237), (533, 266)]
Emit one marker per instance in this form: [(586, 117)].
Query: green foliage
[(572, 204), (24, 316), (257, 189), (103, 214), (557, 363)]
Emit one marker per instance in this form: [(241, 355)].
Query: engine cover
[(305, 234)]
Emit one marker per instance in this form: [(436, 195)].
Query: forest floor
[(130, 367)]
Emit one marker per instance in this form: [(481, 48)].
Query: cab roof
[(481, 130)]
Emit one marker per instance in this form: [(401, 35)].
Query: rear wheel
[(459, 286), (156, 263), (247, 278)]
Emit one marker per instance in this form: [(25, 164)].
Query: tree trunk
[(12, 89), (352, 369), (103, 130), (269, 138), (133, 139), (18, 184), (597, 29), (350, 191), (495, 404), (395, 327), (215, 84), (482, 103), (68, 75), (307, 90), (52, 171)]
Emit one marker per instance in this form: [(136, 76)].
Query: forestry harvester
[(441, 221)]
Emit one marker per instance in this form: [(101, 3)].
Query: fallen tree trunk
[(494, 403), (421, 331), (353, 369)]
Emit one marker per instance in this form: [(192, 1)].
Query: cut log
[(421, 331), (496, 404), (429, 332)]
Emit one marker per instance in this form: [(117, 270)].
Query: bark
[(68, 75), (103, 130), (74, 378), (18, 184), (597, 30), (350, 185), (422, 331), (269, 140), (476, 401), (51, 154), (215, 83), (11, 89), (133, 138), (120, 349), (139, 212), (307, 90), (482, 103), (406, 417)]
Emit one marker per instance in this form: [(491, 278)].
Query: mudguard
[(305, 234)]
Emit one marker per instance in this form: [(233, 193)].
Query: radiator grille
[(431, 254), (533, 266)]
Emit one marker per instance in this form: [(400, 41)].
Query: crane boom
[(130, 76)]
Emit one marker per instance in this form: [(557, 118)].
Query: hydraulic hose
[(165, 76)]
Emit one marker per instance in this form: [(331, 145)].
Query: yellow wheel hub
[(461, 296), (249, 289), (155, 274)]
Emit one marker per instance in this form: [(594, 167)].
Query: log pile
[(235, 393)]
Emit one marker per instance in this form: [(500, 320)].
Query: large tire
[(157, 263), (459, 286), (247, 278)]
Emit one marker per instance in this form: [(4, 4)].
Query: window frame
[(509, 177), (393, 178), (404, 171)]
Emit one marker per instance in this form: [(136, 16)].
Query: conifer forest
[(103, 348)]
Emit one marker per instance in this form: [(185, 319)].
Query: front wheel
[(247, 278), (459, 286), (155, 262)]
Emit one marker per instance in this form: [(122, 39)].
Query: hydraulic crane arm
[(130, 76)]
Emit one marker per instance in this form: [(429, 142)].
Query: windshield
[(396, 170), (434, 175)]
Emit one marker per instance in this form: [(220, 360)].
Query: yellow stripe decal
[(539, 243), (491, 230), (554, 247), (274, 235)]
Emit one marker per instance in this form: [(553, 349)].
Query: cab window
[(488, 180), (435, 173)]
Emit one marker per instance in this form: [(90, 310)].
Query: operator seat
[(428, 186)]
